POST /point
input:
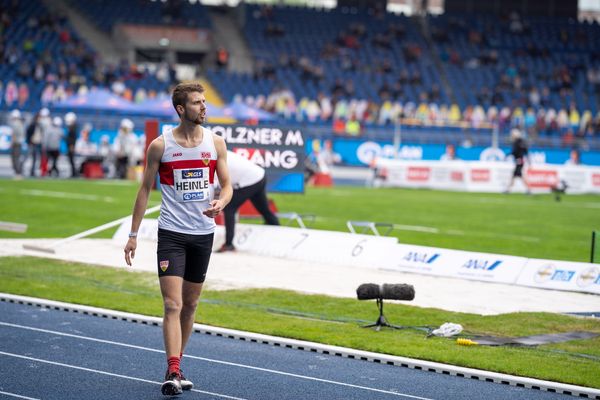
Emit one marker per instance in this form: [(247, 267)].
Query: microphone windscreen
[(367, 291), (399, 291)]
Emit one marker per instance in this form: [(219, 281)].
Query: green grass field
[(531, 226)]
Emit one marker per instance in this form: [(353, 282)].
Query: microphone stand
[(381, 321)]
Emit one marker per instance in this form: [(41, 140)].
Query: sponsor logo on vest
[(205, 154), (177, 154), (193, 196), (191, 173)]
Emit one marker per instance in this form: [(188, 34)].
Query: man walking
[(186, 160)]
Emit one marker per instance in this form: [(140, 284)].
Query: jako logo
[(177, 154), (424, 258), (191, 173), (193, 196), (482, 264)]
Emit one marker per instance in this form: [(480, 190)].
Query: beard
[(197, 119)]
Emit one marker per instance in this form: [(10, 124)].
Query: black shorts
[(184, 255), (518, 172)]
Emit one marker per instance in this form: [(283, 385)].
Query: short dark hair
[(180, 93)]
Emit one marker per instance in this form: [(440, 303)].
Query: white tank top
[(243, 172), (186, 182)]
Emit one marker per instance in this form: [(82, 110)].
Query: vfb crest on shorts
[(164, 265)]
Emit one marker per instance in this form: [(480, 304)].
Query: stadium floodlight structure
[(370, 291)]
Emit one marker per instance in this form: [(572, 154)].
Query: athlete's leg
[(171, 290), (190, 295)]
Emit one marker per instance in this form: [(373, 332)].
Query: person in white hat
[(15, 122), (124, 147), (53, 138), (71, 138)]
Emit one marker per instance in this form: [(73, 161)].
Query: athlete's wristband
[(132, 234)]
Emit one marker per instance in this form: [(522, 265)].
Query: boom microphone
[(389, 291)]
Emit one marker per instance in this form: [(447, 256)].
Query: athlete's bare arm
[(153, 156), (217, 205)]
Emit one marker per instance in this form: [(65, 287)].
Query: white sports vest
[(186, 183)]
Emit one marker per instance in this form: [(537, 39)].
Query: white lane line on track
[(18, 396), (96, 371), (215, 361), (66, 195)]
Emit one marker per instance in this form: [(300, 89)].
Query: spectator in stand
[(17, 128), (71, 123), (222, 58)]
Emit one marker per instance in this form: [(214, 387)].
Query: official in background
[(52, 140), (249, 182), (71, 123), (519, 153), (17, 128)]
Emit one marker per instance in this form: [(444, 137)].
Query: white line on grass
[(18, 396), (96, 371), (416, 228), (310, 378), (66, 195)]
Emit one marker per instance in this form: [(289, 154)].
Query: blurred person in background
[(85, 148), (520, 152), (574, 157), (15, 122), (249, 182), (450, 154), (71, 123), (52, 140), (34, 135), (124, 147), (105, 151)]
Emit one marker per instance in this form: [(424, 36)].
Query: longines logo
[(588, 277), (544, 273)]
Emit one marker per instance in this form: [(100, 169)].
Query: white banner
[(457, 264), (479, 176), (561, 275)]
